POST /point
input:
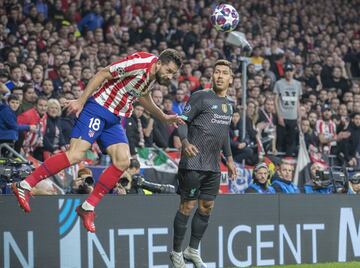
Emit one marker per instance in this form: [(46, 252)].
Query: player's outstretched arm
[(77, 105), (95, 82), (148, 103)]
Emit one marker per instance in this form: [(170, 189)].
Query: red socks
[(50, 167), (107, 181)]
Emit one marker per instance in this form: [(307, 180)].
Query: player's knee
[(187, 207), (121, 163), (75, 156), (205, 208)]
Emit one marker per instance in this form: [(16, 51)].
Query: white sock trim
[(87, 206), (25, 185)]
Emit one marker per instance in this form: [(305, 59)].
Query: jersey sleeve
[(193, 107)]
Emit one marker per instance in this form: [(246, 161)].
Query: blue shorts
[(96, 123)]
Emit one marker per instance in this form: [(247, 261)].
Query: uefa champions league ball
[(225, 18)]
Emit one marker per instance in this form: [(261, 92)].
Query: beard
[(161, 81), (216, 88)]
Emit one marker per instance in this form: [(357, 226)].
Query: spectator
[(53, 140), (84, 182), (318, 184), (338, 81), (334, 104), (257, 59), (161, 135), (48, 89), (18, 92), (126, 181), (351, 148), (288, 91), (187, 75), (352, 59), (313, 117), (204, 83), (29, 99), (93, 19), (354, 184), (282, 182), (15, 77), (135, 126), (63, 76), (67, 120), (35, 116), (37, 75), (252, 129), (9, 128), (267, 71), (179, 102), (268, 116), (309, 134), (239, 147), (327, 71), (260, 182), (326, 130)]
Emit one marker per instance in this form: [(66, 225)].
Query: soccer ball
[(225, 18)]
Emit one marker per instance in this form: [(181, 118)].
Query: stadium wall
[(136, 231)]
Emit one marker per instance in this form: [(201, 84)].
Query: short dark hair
[(13, 97), (136, 104), (13, 67), (354, 114), (41, 98), (171, 55), (224, 63), (27, 86), (168, 97)]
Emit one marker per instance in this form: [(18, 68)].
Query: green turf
[(323, 265)]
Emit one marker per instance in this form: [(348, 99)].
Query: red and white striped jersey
[(131, 79), (328, 129)]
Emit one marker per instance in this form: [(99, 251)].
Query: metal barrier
[(12, 152)]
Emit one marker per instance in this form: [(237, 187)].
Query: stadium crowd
[(51, 49)]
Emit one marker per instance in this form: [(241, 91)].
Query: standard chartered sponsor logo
[(221, 119)]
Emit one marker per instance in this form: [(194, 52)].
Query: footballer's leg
[(208, 191), (189, 183), (115, 141), (51, 166)]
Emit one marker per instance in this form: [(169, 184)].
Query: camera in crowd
[(84, 183), (138, 184), (337, 177), (13, 170)]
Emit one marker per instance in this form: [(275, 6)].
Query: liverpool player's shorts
[(197, 184), (96, 123)]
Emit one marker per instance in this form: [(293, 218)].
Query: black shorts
[(196, 184)]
